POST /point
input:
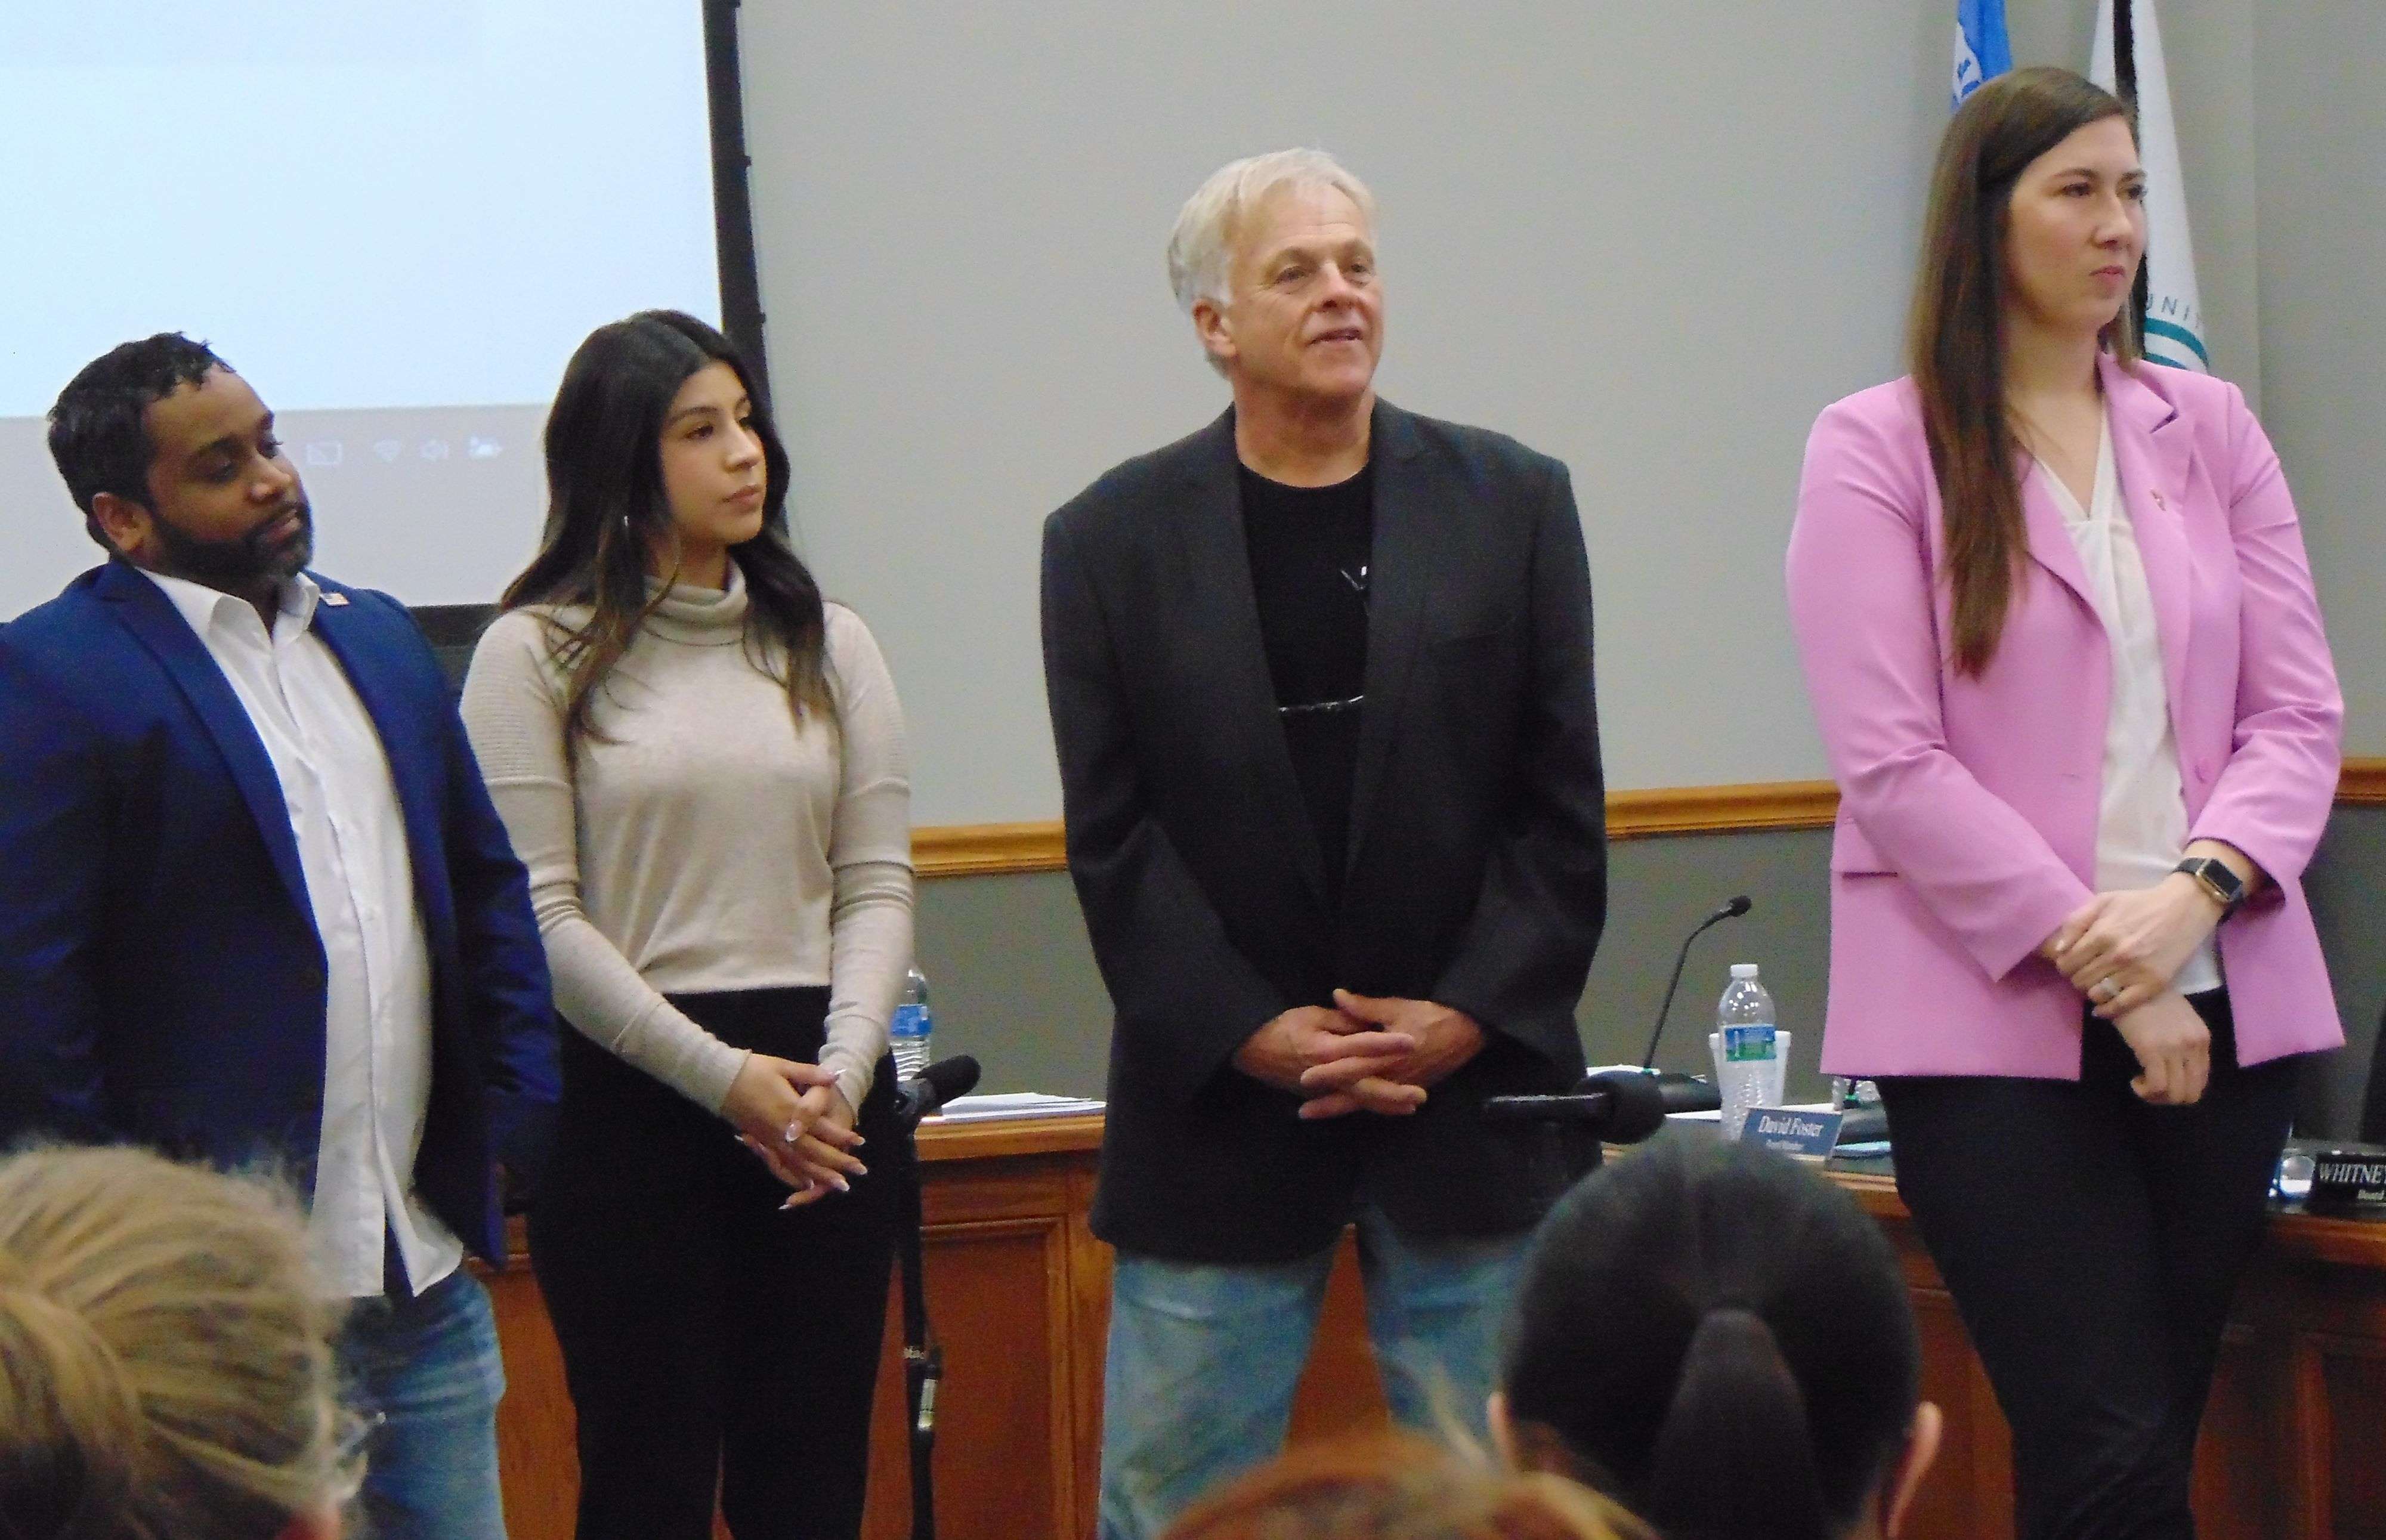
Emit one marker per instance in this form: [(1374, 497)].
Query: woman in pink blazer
[(2058, 625)]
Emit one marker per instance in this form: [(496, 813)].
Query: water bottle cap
[(1743, 970)]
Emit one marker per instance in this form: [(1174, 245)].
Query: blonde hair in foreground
[(166, 1368), (1397, 1486)]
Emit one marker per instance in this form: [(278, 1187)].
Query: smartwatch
[(2213, 877)]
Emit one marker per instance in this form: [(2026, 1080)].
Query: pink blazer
[(1968, 805)]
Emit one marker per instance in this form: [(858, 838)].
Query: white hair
[(1201, 247)]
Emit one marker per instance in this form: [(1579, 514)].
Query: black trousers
[(2092, 1243), (709, 1338)]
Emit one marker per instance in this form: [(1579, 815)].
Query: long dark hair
[(1955, 334), (1717, 1338), (606, 509)]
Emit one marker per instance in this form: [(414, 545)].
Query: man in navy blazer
[(255, 905)]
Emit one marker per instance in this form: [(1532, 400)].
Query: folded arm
[(1522, 960), (54, 836), (2272, 798), (1861, 605), (1185, 998)]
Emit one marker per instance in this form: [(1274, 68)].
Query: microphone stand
[(923, 1359), (1731, 910)]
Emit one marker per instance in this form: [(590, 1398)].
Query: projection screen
[(394, 218)]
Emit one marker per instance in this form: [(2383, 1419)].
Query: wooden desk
[(2294, 1445)]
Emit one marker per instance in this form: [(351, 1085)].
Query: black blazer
[(1477, 872)]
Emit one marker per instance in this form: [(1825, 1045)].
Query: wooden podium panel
[(2294, 1444)]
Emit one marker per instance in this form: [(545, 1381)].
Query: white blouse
[(2141, 820)]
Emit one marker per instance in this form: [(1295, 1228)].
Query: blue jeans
[(425, 1371), (1204, 1358)]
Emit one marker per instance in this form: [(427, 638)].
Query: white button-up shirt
[(352, 849), (2141, 820)]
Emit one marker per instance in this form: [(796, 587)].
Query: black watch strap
[(2226, 888)]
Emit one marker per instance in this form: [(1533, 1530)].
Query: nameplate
[(2348, 1178), (1786, 1131)]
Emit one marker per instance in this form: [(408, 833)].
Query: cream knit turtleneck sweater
[(701, 838)]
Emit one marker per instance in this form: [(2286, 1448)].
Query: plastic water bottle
[(1748, 1052), (908, 1033)]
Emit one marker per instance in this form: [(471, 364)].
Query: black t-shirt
[(1310, 551)]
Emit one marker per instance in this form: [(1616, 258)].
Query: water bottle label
[(909, 1022), (1742, 1045)]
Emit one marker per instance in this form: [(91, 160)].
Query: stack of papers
[(1014, 1104)]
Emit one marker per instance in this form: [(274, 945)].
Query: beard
[(242, 563)]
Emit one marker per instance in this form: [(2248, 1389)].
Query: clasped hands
[(791, 1115), (2121, 951), (1360, 1054)]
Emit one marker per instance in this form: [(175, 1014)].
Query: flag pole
[(2125, 80)]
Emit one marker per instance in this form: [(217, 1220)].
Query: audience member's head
[(166, 1368), (1399, 1487), (1720, 1339)]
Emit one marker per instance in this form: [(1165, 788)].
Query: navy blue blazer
[(162, 978)]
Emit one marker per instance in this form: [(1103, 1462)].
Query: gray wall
[(1016, 985), (1652, 240), (2321, 190), (1612, 229), (1014, 982)]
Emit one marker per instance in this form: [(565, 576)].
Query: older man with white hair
[(1321, 684)]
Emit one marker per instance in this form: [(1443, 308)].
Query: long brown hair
[(607, 509), (1955, 334)]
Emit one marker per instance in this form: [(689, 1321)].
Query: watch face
[(2223, 884)]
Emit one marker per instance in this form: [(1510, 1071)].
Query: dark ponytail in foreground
[(1720, 1340)]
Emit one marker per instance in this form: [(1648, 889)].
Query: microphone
[(924, 1093), (1730, 910), (1623, 1106)]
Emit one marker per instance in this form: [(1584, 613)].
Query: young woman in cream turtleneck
[(702, 765)]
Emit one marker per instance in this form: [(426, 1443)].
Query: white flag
[(2174, 331)]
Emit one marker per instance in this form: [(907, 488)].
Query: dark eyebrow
[(231, 444), (742, 403)]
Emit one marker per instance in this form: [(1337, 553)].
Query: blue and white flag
[(2174, 319), (1981, 50)]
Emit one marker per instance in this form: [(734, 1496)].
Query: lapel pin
[(338, 599)]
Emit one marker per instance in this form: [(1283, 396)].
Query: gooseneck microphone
[(924, 1093), (1730, 910)]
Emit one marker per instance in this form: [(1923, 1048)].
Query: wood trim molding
[(2362, 783), (1722, 809), (987, 849), (991, 849)]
